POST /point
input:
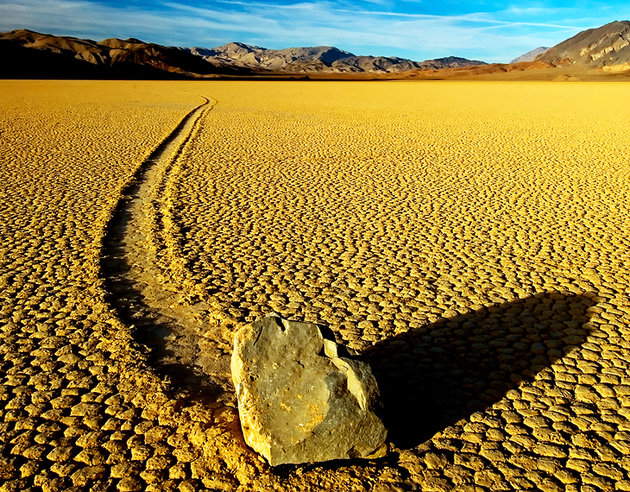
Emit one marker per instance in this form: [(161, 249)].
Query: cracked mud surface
[(467, 238)]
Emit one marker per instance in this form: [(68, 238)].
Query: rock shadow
[(433, 376)]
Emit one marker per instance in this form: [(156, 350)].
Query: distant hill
[(530, 55), (316, 59), (449, 62), (605, 46)]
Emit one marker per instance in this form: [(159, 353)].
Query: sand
[(468, 238)]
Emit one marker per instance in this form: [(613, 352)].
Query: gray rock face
[(530, 55), (299, 400)]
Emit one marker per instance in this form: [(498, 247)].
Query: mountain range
[(29, 54)]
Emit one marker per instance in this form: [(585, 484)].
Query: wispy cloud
[(357, 27)]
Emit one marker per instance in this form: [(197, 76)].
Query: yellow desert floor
[(469, 239)]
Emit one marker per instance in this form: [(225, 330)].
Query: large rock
[(299, 400)]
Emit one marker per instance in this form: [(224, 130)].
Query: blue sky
[(483, 29)]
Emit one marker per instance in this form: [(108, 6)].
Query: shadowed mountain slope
[(30, 54)]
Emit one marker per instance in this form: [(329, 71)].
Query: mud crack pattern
[(467, 238)]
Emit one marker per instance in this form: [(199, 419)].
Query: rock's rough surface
[(299, 400)]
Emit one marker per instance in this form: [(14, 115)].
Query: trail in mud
[(148, 295)]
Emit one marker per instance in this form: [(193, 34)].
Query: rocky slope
[(605, 46)]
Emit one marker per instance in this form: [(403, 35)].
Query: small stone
[(299, 400)]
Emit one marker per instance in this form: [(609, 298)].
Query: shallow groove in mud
[(144, 293)]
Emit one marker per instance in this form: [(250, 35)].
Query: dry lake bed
[(468, 239)]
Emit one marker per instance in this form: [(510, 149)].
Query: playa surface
[(469, 239)]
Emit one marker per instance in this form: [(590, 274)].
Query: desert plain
[(468, 239)]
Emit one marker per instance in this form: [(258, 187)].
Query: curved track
[(135, 264)]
